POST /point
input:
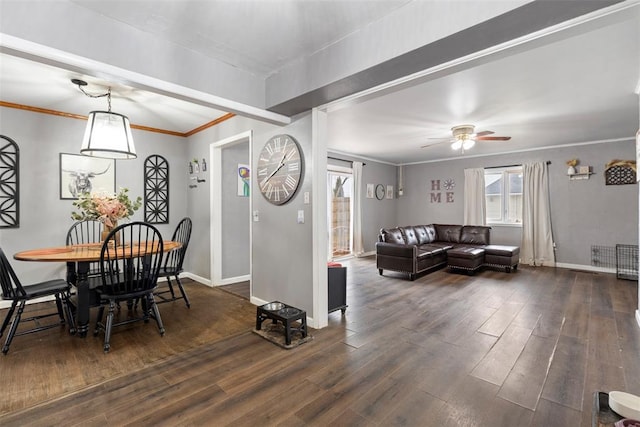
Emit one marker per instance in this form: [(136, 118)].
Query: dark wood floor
[(495, 349), (241, 289)]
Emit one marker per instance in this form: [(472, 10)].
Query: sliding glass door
[(340, 211)]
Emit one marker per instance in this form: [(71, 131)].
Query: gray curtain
[(537, 235)]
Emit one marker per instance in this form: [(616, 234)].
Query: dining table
[(78, 259)]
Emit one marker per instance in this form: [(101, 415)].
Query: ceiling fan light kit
[(464, 137)]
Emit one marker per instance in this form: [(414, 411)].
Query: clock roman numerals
[(290, 181)]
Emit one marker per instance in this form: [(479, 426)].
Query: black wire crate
[(627, 262)]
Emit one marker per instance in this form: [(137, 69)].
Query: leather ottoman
[(465, 258), (501, 256)]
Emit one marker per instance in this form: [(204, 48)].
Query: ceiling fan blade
[(433, 143), (484, 133), (493, 138)]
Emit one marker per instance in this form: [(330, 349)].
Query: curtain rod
[(343, 160), (511, 166)]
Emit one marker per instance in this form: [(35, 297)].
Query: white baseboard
[(258, 301), (208, 282), (585, 267), (366, 254), (232, 280), (638, 317), (197, 278)]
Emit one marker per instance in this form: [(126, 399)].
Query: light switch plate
[(300, 217), (306, 197), (256, 216)]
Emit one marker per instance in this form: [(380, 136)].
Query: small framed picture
[(369, 191), (583, 170), (389, 191), (84, 174)]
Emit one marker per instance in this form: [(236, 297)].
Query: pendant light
[(108, 134)]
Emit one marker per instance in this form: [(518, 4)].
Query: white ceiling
[(574, 90), (260, 36), (566, 90)]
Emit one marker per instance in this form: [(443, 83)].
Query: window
[(503, 193)]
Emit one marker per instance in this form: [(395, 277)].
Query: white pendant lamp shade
[(108, 135)]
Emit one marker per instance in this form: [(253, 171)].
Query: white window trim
[(503, 170)]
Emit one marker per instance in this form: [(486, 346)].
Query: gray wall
[(282, 248), (584, 213), (44, 218), (199, 260), (235, 214), (376, 213)]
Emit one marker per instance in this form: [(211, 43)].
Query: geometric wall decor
[(156, 190), (619, 172), (9, 183)]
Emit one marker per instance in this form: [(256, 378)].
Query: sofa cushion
[(425, 233), (392, 235), (409, 234), (448, 233), (465, 252), (502, 250), (442, 245), (475, 235)]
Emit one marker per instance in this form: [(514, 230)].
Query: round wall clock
[(280, 169), (379, 191)]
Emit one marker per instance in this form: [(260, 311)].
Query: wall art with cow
[(80, 174)]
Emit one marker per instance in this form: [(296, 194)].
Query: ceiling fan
[(464, 137)]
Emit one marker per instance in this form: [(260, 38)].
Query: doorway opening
[(340, 211)]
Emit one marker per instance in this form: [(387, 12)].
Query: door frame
[(346, 171), (215, 160)]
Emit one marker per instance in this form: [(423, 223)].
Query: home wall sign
[(437, 195), (9, 183), (620, 172), (156, 190)]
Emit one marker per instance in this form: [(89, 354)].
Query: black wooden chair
[(129, 267), (18, 294), (85, 232), (173, 264)]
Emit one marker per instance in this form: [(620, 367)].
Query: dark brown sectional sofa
[(420, 248)]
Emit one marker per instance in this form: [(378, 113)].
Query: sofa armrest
[(395, 249)]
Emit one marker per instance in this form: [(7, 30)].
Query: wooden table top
[(77, 253)]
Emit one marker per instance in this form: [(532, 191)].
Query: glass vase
[(107, 229)]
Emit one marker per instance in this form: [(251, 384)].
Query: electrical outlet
[(306, 197)]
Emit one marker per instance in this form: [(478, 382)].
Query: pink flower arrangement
[(106, 208)]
